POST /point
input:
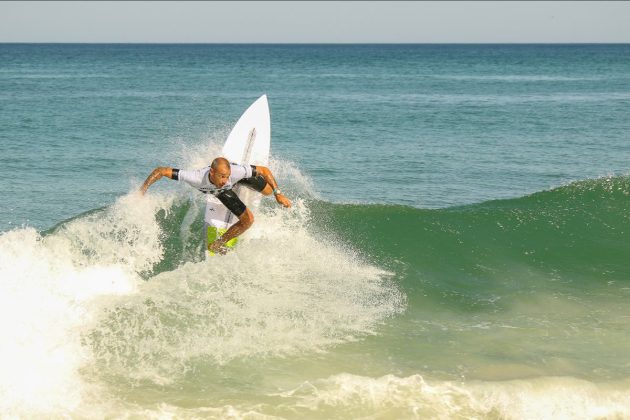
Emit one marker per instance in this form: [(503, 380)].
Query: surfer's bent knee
[(232, 202), (257, 183), (247, 218)]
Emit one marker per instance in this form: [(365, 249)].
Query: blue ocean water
[(457, 247), (454, 124)]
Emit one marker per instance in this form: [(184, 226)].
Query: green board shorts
[(213, 233)]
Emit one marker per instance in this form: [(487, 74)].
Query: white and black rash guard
[(199, 179)]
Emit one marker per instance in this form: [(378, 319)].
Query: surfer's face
[(220, 175)]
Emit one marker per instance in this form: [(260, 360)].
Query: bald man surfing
[(218, 179)]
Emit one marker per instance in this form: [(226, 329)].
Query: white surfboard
[(248, 144)]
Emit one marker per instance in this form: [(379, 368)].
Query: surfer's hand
[(280, 198), (217, 247)]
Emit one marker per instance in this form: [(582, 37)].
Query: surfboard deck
[(247, 144)]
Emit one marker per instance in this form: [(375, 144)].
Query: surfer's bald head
[(219, 173), (220, 162)]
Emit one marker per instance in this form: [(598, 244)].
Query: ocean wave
[(390, 396), (90, 301), (122, 295), (557, 227)]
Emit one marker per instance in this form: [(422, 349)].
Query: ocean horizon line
[(315, 43)]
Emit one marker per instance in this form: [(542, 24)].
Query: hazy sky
[(331, 21)]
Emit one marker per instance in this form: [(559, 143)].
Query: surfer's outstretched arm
[(271, 182), (155, 175)]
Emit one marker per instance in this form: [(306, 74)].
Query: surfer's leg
[(257, 183), (232, 202)]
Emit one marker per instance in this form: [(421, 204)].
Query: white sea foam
[(48, 287), (283, 291), (76, 311), (390, 396)]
